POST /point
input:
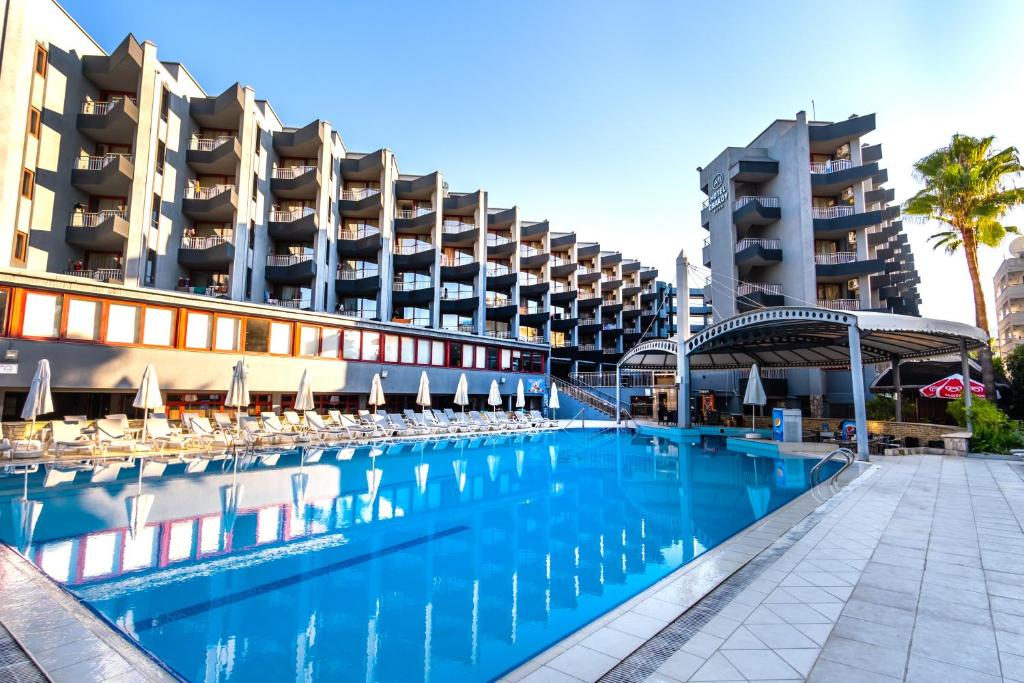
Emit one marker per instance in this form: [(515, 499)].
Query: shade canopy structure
[(806, 337)]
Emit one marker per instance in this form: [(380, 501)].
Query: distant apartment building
[(1009, 288), (801, 217), (126, 179)]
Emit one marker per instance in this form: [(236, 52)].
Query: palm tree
[(967, 189)]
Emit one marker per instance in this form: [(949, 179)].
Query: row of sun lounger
[(114, 433)]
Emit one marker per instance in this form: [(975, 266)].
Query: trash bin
[(787, 425)]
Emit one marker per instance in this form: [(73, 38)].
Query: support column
[(618, 393), (897, 386), (965, 370), (857, 377), (682, 333)]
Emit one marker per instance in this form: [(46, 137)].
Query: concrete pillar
[(965, 370), (682, 332), (857, 377), (897, 387), (618, 393)]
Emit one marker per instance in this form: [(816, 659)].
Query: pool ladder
[(848, 457)]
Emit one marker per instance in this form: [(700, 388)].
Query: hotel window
[(84, 318), (516, 358), (161, 154), (40, 60), (506, 359), (330, 342), (158, 327), (257, 335), (149, 276), (123, 324), (454, 355), (467, 355), (423, 351), (227, 333), (481, 357), (35, 122), (256, 150), (350, 345), (28, 182), (255, 184), (165, 103), (371, 346), (492, 358), (309, 340), (391, 342), (408, 350), (281, 339), (437, 353), (198, 330), (5, 295), (41, 316), (20, 247)]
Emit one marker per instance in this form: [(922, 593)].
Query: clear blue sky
[(596, 114)]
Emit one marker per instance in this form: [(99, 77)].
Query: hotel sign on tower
[(719, 193)]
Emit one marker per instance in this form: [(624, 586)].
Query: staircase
[(589, 397)]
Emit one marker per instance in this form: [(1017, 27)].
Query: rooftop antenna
[(814, 113)]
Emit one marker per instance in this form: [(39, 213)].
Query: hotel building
[(801, 217), (147, 220), (1009, 287)]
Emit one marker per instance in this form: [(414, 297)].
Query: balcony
[(754, 170), (562, 293), (630, 311), (834, 176), (215, 204), (366, 202), (562, 240), (456, 233), (300, 143), (459, 266), (533, 316), (531, 338), (586, 275), (500, 276), (751, 210), (610, 283), (758, 295), (214, 156), (648, 274), (417, 291), (563, 322), (119, 71), (532, 285), (532, 257), (500, 334), (107, 275), (464, 328), (843, 265), (295, 182), (223, 112), (836, 221), (213, 291), (102, 231), (212, 252), (832, 135), (297, 304), (111, 122), (458, 299), (364, 167), (109, 175), (290, 269), (589, 324), (500, 307), (361, 282), (588, 297), (499, 245), (414, 254), (361, 313), (611, 306), (840, 304), (758, 252), (420, 220), (358, 240), (562, 267), (295, 225), (533, 229), (587, 250)]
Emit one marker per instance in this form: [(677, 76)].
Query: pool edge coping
[(778, 523)]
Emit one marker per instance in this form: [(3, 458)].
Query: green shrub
[(993, 431), (881, 407)]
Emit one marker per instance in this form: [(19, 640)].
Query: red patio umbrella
[(952, 387)]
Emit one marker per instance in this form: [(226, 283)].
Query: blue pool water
[(468, 557)]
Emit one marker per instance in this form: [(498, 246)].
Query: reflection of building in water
[(474, 570)]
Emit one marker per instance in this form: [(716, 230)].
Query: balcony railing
[(831, 166), (840, 304), (748, 288), (405, 214), (204, 242), (758, 242), (530, 279), (102, 107), (768, 202), (291, 214), (587, 347), (455, 227), (630, 307), (497, 301), (527, 251), (209, 144), (411, 285), (496, 240), (500, 334), (413, 248), (364, 313), (357, 232), (497, 271), (587, 321), (287, 259), (585, 270), (532, 310), (831, 211), (361, 193), (531, 338), (586, 293), (561, 343), (95, 163), (99, 274), (557, 287), (205, 290), (196, 192), (289, 172), (559, 261), (458, 259), (292, 303), (91, 220), (461, 327), (835, 257), (456, 294), (358, 273)]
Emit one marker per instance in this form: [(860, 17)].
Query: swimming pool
[(453, 560)]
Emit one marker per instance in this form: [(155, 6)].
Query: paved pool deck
[(914, 572)]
